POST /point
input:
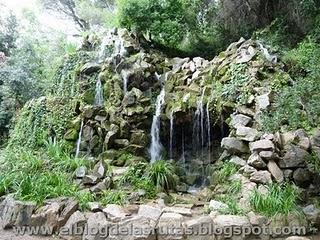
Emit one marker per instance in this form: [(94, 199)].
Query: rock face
[(15, 213), (234, 145), (247, 134)]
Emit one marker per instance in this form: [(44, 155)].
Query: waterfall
[(198, 124), (156, 146), (102, 51), (171, 134), (267, 55), (99, 94), (79, 140), (125, 74), (208, 130)]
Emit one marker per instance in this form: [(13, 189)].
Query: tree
[(67, 8), (8, 33)]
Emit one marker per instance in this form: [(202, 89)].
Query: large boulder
[(313, 214), (240, 120), (294, 157), (256, 161), (97, 227), (200, 224), (16, 213), (169, 225), (232, 221), (262, 145), (275, 171), (302, 177), (74, 228), (234, 145), (263, 177), (150, 212), (247, 134)]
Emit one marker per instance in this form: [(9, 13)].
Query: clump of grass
[(84, 197), (280, 199), (230, 199), (113, 197), (223, 172), (234, 188), (162, 174)]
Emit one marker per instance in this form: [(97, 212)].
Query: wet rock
[(267, 155), (232, 221), (247, 134), (263, 177), (216, 205), (257, 220), (150, 212), (302, 177), (76, 221), (294, 157), (246, 111), (304, 143), (238, 161), (247, 170), (114, 212), (167, 221), (196, 225), (90, 180), (180, 210), (81, 172), (275, 171), (47, 215), (297, 238), (15, 213), (313, 214), (262, 102), (100, 169), (121, 143), (256, 161), (315, 140), (240, 120), (94, 207), (288, 174), (234, 145), (89, 68), (111, 135), (262, 145), (100, 187), (139, 137), (109, 155), (97, 225)]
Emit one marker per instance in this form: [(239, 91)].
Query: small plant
[(280, 199), (235, 187), (113, 197), (232, 205), (223, 172), (162, 174), (84, 198)]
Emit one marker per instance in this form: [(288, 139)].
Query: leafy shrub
[(162, 174), (280, 199), (297, 106)]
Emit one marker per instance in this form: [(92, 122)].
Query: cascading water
[(99, 94), (79, 140), (208, 130), (156, 146), (125, 74), (198, 124), (171, 133), (267, 55)]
